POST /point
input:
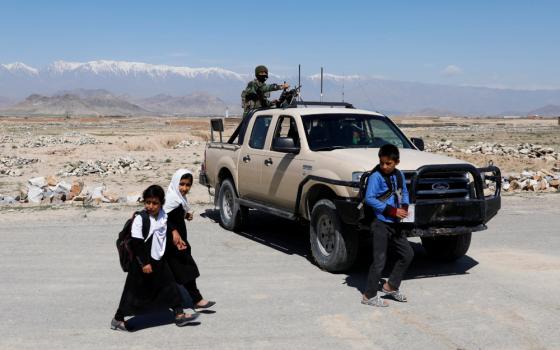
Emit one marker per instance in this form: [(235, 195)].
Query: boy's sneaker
[(375, 301), (397, 295)]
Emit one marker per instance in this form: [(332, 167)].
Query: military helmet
[(261, 69)]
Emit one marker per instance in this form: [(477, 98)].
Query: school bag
[(126, 255), (368, 214)]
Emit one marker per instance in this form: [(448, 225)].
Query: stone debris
[(7, 139), (121, 165), (42, 190), (523, 150), (45, 141), (533, 181), (11, 165), (186, 144), (6, 200)]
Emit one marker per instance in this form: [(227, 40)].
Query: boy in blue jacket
[(388, 197)]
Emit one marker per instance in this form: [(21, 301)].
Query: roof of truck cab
[(319, 110)]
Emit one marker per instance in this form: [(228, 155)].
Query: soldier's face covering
[(262, 77)]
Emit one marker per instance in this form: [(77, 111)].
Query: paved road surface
[(61, 283)]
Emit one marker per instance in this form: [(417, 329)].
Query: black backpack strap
[(145, 223), (399, 175)]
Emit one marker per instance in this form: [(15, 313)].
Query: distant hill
[(197, 104), (546, 111), (73, 104), (433, 112)]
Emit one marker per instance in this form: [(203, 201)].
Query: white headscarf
[(173, 197)]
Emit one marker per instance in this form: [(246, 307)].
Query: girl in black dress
[(150, 284), (180, 259)]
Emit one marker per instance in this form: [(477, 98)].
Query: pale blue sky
[(490, 43)]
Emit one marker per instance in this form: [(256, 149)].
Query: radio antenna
[(321, 84), (299, 75), (343, 79)]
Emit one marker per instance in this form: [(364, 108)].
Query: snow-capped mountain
[(120, 68), (18, 80), (18, 68), (140, 80)]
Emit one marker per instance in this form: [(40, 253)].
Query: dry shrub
[(201, 135), (170, 142), (139, 146)]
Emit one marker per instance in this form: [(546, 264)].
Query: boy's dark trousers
[(387, 236)]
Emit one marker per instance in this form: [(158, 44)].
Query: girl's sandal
[(182, 319), (118, 325), (208, 305), (375, 301), (396, 294)]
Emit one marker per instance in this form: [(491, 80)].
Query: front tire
[(231, 213), (447, 248), (334, 246)]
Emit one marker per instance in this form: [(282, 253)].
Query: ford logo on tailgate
[(440, 186)]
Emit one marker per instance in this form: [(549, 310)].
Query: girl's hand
[(189, 216), (181, 245), (176, 237), (147, 268)]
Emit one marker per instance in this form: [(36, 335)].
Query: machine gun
[(288, 96)]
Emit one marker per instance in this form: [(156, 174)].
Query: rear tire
[(447, 248), (232, 214), (334, 246)]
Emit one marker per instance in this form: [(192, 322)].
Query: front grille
[(441, 185)]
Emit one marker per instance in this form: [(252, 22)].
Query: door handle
[(268, 162), (246, 159)]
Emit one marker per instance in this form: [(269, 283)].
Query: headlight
[(356, 176)]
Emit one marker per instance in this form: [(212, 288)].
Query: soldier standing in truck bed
[(257, 92)]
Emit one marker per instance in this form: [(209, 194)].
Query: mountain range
[(138, 88), (102, 102)]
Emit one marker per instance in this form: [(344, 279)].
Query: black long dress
[(181, 262), (143, 292)]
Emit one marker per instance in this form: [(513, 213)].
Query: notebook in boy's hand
[(410, 217)]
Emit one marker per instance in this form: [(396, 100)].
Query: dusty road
[(61, 283)]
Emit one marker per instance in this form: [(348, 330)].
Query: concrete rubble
[(50, 190), (121, 165), (532, 181), (7, 139), (45, 141), (11, 165), (522, 150)]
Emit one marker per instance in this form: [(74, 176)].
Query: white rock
[(40, 181), (34, 194)]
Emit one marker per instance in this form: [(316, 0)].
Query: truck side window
[(260, 129), (287, 127)]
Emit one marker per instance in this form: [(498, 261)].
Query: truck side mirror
[(418, 142), (285, 145)]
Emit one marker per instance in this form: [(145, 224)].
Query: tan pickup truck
[(305, 162)]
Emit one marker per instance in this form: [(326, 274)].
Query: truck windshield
[(326, 132)]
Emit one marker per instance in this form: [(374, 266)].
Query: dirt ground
[(152, 140)]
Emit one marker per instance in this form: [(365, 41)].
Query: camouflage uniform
[(256, 95)]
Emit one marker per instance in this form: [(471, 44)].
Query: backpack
[(126, 255), (368, 214)]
